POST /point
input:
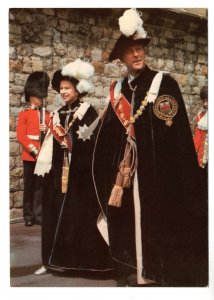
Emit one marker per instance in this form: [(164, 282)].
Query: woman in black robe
[(70, 237)]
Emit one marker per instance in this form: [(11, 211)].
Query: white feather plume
[(83, 72), (85, 86), (78, 69), (131, 23)]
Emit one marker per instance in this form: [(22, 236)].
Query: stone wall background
[(46, 39)]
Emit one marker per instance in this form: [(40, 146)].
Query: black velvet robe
[(173, 205), (70, 238)]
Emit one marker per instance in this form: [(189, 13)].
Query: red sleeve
[(197, 134), (21, 132)]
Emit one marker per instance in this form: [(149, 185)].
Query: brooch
[(165, 108), (81, 133)]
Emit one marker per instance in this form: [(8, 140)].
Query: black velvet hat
[(131, 27), (36, 85), (124, 42), (79, 73), (58, 77)]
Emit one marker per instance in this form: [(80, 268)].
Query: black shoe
[(28, 223), (132, 282), (145, 285), (122, 283)]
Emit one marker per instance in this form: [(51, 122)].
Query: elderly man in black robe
[(146, 175)]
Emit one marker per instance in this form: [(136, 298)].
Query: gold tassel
[(117, 192), (116, 196), (126, 169), (124, 175), (127, 177), (65, 172)]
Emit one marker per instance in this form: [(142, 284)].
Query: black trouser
[(32, 198)]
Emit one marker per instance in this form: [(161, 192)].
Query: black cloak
[(70, 238), (173, 206)]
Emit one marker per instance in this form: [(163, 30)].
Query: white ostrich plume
[(85, 86), (131, 23), (83, 72), (78, 69)]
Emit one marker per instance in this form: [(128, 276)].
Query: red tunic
[(200, 141), (28, 131)]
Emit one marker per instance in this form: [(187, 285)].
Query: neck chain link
[(68, 113), (139, 111)]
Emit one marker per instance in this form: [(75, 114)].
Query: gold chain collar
[(133, 118)]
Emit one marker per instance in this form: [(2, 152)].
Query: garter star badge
[(165, 108), (81, 133)]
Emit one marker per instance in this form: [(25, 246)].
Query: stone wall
[(47, 39)]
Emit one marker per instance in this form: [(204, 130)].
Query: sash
[(44, 160), (126, 113), (60, 135), (117, 97)]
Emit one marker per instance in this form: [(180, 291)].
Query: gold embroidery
[(165, 108), (133, 118)]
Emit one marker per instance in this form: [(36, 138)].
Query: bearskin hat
[(36, 85), (204, 92)]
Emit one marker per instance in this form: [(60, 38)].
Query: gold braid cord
[(126, 170), (65, 172)]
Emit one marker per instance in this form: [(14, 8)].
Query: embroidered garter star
[(81, 132)]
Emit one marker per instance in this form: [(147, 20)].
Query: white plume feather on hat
[(131, 23), (85, 86), (83, 72)]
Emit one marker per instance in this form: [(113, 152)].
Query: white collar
[(131, 78)]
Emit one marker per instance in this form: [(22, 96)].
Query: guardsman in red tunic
[(31, 128), (201, 136)]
